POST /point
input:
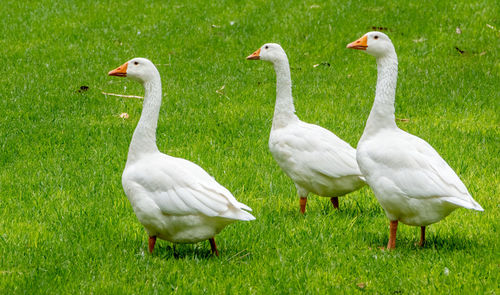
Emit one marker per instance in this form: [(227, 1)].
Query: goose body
[(411, 181), (314, 158), (174, 199)]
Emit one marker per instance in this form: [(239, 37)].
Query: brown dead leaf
[(375, 28), (402, 119), (460, 50), (83, 88), (361, 285)]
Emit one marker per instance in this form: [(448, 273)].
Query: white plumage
[(180, 202), (174, 199), (411, 181), (313, 157)]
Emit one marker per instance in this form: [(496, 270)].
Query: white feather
[(173, 198), (409, 178), (313, 157)]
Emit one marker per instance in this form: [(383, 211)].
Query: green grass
[(66, 226)]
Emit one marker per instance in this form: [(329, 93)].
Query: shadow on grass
[(168, 250), (352, 206), (434, 242), (450, 242), (198, 251)]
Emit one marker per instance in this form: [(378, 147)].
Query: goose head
[(270, 52), (138, 69), (374, 43)]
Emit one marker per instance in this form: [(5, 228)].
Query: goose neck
[(382, 113), (284, 110), (144, 137)]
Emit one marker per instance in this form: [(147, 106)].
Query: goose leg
[(303, 202), (213, 246), (422, 236), (335, 202), (151, 243), (176, 255), (392, 238)]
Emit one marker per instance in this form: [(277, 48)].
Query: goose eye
[(376, 37), (136, 62), (266, 47)]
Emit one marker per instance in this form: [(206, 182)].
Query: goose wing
[(417, 170), (313, 150), (180, 187)]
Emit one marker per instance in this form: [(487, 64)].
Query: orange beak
[(255, 55), (360, 44), (120, 71)]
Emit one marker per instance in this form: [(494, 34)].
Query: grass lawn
[(66, 226)]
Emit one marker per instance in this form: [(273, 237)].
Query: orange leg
[(335, 202), (392, 238), (213, 246), (151, 243), (303, 202), (422, 236)]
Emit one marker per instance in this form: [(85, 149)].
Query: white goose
[(410, 180), (314, 158), (174, 199)]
